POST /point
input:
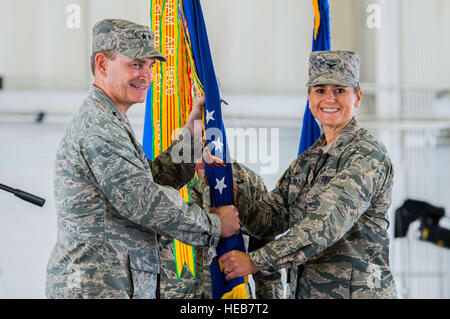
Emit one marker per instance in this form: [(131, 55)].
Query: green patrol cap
[(333, 67), (128, 38)]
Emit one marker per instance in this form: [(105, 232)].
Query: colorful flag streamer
[(219, 178), (180, 34), (170, 99), (321, 42)]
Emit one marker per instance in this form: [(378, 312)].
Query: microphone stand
[(33, 199)]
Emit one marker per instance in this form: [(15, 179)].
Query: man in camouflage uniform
[(333, 199), (267, 286), (110, 200)]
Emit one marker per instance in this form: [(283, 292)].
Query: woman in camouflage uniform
[(333, 199)]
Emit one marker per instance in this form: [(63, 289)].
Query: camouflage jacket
[(110, 203), (335, 204), (188, 287)]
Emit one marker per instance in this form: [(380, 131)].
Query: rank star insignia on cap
[(334, 67), (128, 38)]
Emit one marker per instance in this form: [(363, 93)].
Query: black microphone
[(33, 199)]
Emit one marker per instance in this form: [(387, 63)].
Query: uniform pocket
[(329, 280), (144, 276)]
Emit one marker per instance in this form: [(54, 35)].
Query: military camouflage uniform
[(333, 67), (128, 38), (111, 201), (267, 286), (334, 201)]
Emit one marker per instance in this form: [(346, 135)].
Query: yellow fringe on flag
[(316, 17), (238, 292)]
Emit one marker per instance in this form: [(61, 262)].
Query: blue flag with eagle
[(219, 178), (321, 42)]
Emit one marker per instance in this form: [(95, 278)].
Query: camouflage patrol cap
[(334, 67), (128, 38)]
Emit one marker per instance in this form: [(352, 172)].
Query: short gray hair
[(110, 54)]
